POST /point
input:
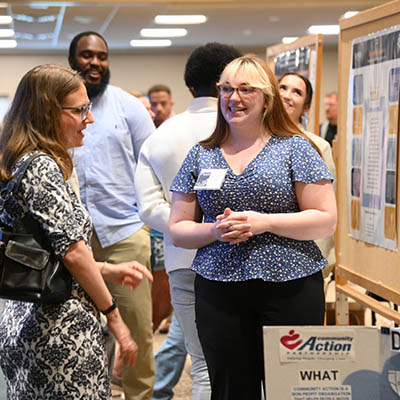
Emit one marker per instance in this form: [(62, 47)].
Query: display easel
[(373, 268), (307, 52)]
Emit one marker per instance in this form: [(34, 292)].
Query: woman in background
[(57, 351), (296, 93), (268, 196)]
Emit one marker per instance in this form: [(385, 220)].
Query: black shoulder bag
[(29, 269)]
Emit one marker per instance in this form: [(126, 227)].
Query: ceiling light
[(38, 6), (8, 44), (23, 18), (324, 29), (289, 39), (44, 36), (274, 18), (3, 5), (83, 20), (350, 14), (179, 19), (6, 33), (46, 18), (153, 33), (151, 43), (5, 19), (24, 35)]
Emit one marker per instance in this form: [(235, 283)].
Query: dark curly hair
[(205, 65), (75, 40)]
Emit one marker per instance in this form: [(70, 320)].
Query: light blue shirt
[(106, 163)]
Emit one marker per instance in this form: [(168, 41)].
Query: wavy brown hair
[(258, 75), (33, 121)]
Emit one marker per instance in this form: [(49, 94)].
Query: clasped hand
[(234, 227)]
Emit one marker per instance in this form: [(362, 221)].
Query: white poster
[(332, 363), (372, 127)]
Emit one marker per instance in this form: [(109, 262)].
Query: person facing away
[(328, 129), (105, 167), (254, 227), (161, 300), (161, 103), (296, 93), (160, 158), (57, 350)]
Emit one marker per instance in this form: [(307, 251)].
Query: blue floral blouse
[(266, 186)]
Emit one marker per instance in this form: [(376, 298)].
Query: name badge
[(210, 179)]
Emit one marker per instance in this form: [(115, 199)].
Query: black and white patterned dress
[(53, 351)]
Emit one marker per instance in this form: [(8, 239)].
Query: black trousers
[(230, 317)]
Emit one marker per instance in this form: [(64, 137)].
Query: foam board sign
[(332, 363)]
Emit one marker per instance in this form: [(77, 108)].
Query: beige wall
[(329, 81), (139, 72), (130, 72)]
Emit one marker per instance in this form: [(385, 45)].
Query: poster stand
[(373, 268)]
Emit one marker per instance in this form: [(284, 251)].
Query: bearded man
[(106, 165)]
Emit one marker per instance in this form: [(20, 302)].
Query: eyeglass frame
[(83, 110), (237, 89)]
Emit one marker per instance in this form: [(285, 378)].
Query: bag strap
[(29, 224), (14, 183), (17, 177)]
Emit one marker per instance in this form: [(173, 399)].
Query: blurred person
[(57, 350), (145, 101), (106, 167), (160, 158), (296, 94), (161, 299), (161, 103), (268, 197), (328, 129)]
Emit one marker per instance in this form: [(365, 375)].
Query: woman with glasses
[(268, 195), (57, 351)]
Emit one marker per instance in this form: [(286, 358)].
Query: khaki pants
[(136, 310)]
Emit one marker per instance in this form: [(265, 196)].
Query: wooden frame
[(371, 267), (314, 43)]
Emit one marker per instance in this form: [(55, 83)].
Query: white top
[(160, 159), (326, 245)]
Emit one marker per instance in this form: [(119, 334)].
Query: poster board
[(372, 267), (331, 363), (305, 57)]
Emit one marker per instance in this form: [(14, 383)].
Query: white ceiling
[(251, 24)]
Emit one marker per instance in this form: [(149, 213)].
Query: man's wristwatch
[(113, 306)]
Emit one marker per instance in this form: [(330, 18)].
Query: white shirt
[(160, 159)]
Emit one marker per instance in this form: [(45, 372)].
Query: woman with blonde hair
[(268, 195), (56, 351)]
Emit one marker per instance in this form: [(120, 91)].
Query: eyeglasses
[(83, 111), (243, 91)]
